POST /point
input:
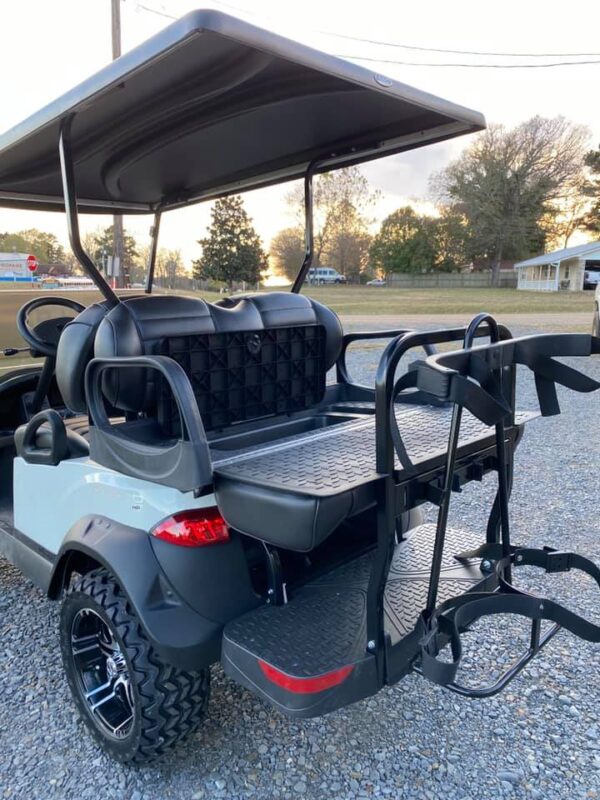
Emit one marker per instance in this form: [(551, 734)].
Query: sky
[(48, 47)]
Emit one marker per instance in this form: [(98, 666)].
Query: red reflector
[(305, 685), (196, 528)]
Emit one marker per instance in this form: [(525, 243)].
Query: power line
[(428, 49), (154, 11), (457, 52), (472, 66)]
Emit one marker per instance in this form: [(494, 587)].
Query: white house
[(562, 269)]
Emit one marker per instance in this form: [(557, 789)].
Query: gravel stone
[(509, 777), (245, 749)]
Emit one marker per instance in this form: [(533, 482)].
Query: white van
[(321, 275), (591, 277)]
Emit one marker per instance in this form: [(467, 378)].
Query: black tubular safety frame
[(453, 440), (341, 367), (154, 231), (473, 378), (309, 231), (70, 197), (388, 506)]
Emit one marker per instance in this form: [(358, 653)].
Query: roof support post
[(154, 231), (309, 234), (70, 197)]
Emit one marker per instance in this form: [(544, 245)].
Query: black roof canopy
[(209, 106)]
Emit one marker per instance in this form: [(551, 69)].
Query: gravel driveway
[(540, 739)]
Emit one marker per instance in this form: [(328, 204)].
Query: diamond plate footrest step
[(310, 656)]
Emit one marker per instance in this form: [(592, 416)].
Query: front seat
[(75, 351)]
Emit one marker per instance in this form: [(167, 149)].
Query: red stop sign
[(32, 263)]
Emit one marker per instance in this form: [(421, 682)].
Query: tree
[(348, 248), (342, 200), (101, 247), (402, 244), (168, 267), (591, 190), (45, 246), (565, 216), (232, 251), (508, 182), (449, 235), (287, 251)]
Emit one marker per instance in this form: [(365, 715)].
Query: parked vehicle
[(203, 494), (591, 278), (377, 282), (323, 275), (596, 319)]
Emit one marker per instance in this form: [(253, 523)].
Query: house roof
[(210, 106), (589, 249)]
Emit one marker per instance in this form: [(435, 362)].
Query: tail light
[(305, 685), (196, 528)]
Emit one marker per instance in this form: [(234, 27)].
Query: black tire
[(164, 704), (596, 323)]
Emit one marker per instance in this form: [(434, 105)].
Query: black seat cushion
[(293, 521), (143, 325), (75, 350)]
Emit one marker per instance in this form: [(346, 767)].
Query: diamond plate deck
[(323, 626), (341, 458)]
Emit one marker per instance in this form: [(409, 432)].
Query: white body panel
[(50, 500)]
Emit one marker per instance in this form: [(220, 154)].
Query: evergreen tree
[(232, 250), (102, 247)]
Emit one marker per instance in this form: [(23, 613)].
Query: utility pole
[(115, 9)]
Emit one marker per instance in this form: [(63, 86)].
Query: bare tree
[(509, 181), (566, 215), (169, 267), (336, 194)]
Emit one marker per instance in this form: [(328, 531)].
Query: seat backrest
[(75, 349), (251, 357)]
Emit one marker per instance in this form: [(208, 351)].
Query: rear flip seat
[(295, 494)]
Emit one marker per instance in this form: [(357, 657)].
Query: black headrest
[(140, 325), (75, 349)]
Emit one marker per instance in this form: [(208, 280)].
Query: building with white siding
[(561, 269)]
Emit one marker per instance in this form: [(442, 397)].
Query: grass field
[(358, 300), (381, 300)]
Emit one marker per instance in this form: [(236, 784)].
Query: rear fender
[(179, 634)]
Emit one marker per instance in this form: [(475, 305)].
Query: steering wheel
[(43, 337)]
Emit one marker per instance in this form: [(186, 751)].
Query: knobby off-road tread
[(171, 702)]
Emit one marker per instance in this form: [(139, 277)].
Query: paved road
[(538, 741)]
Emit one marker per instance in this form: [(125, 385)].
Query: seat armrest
[(184, 464)]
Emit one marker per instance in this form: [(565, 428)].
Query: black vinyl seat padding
[(140, 326), (75, 351), (286, 519)]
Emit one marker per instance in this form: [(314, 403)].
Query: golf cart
[(182, 476)]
